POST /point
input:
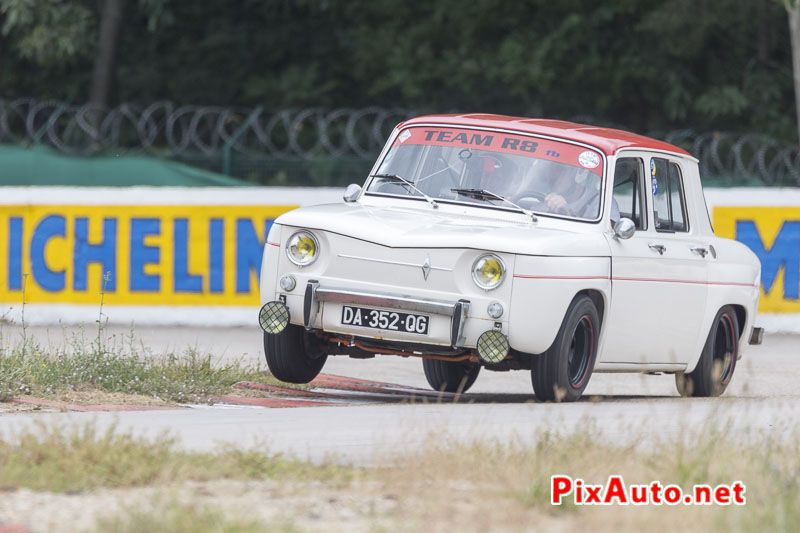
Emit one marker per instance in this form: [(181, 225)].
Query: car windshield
[(493, 169)]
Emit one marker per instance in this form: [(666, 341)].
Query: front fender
[(543, 288), (268, 281)]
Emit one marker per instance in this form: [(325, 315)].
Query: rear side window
[(629, 191), (669, 204)]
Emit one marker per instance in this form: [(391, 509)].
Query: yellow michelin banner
[(773, 233), (210, 255), (205, 255)]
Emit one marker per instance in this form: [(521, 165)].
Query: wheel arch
[(599, 301), (548, 318), (741, 318)]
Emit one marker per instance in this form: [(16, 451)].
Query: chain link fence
[(314, 146)]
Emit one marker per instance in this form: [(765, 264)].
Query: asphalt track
[(377, 410)]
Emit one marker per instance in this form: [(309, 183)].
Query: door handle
[(699, 250), (660, 248)]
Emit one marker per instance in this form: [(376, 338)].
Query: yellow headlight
[(488, 271), (302, 248)]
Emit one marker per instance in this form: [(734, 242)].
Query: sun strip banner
[(773, 233), (508, 143), (204, 255)]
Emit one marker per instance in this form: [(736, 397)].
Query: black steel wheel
[(717, 362), (563, 371)]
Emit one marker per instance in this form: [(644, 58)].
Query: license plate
[(386, 320)]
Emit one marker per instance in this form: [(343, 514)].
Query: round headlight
[(488, 271), (302, 248)]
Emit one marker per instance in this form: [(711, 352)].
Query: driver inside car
[(576, 192)]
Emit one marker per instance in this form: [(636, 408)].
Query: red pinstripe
[(694, 282), (560, 277), (731, 283)]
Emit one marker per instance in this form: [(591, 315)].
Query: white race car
[(485, 241)]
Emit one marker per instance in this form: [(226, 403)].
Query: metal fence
[(313, 146)]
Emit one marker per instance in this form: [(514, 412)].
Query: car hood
[(414, 228)]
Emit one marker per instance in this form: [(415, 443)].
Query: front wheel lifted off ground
[(450, 376), (293, 355), (717, 362), (563, 371)]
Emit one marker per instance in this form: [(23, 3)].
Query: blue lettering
[(216, 255), (142, 255), (104, 253), (15, 253), (50, 226), (784, 253), (249, 251), (184, 282)]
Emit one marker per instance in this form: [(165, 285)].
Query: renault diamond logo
[(426, 267)]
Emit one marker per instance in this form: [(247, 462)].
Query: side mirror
[(624, 228), (351, 193)]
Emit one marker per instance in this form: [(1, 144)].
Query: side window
[(669, 205), (628, 199)]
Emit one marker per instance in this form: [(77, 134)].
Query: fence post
[(227, 155)]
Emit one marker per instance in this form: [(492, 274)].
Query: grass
[(516, 478), (27, 368), (174, 517), (49, 459), (484, 486)]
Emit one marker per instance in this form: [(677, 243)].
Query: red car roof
[(606, 139)]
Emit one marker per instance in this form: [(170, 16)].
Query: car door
[(658, 283)]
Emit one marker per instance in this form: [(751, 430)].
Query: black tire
[(449, 376), (717, 362), (293, 356), (563, 371)]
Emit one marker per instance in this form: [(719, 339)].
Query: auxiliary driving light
[(493, 346), (488, 271), (288, 283), (273, 317), (495, 310)]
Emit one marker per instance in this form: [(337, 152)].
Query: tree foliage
[(647, 65)]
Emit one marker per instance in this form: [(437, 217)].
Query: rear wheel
[(563, 371), (450, 376), (717, 362), (293, 355)]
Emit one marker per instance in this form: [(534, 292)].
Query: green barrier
[(43, 166)]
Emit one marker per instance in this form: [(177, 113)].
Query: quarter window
[(669, 205), (629, 191)]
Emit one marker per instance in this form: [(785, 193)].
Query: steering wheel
[(532, 198)]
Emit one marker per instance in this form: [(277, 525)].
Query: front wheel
[(449, 376), (563, 371), (717, 362), (294, 356)]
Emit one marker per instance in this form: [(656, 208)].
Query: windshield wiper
[(489, 195), (404, 181)]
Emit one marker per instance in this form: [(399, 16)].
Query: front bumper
[(456, 311)]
